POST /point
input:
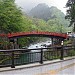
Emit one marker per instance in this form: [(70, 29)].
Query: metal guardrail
[(15, 57)]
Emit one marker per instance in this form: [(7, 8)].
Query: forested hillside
[(42, 11), (53, 19)]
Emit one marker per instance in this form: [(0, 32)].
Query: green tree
[(71, 12), (55, 25), (10, 16)]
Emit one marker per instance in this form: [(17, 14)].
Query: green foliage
[(27, 23), (55, 25), (40, 25), (52, 25), (67, 42), (51, 55), (10, 17), (71, 53), (71, 12)]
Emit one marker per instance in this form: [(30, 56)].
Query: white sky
[(28, 4)]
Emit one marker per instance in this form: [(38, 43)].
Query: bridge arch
[(35, 33), (53, 35)]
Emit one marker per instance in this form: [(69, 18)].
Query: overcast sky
[(28, 4)]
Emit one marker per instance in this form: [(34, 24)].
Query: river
[(39, 45)]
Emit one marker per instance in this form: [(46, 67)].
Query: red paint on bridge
[(3, 35), (35, 33)]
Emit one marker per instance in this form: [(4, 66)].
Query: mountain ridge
[(43, 11)]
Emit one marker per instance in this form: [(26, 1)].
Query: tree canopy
[(10, 16), (71, 12)]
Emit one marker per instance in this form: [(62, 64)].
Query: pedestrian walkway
[(59, 68)]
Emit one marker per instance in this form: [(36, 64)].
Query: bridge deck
[(36, 33)]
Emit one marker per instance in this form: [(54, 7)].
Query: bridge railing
[(16, 57)]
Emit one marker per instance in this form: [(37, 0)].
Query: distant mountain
[(43, 11)]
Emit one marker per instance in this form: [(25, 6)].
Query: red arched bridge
[(36, 33)]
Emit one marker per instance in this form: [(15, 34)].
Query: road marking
[(54, 72)]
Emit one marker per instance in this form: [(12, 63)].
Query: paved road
[(61, 68)]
